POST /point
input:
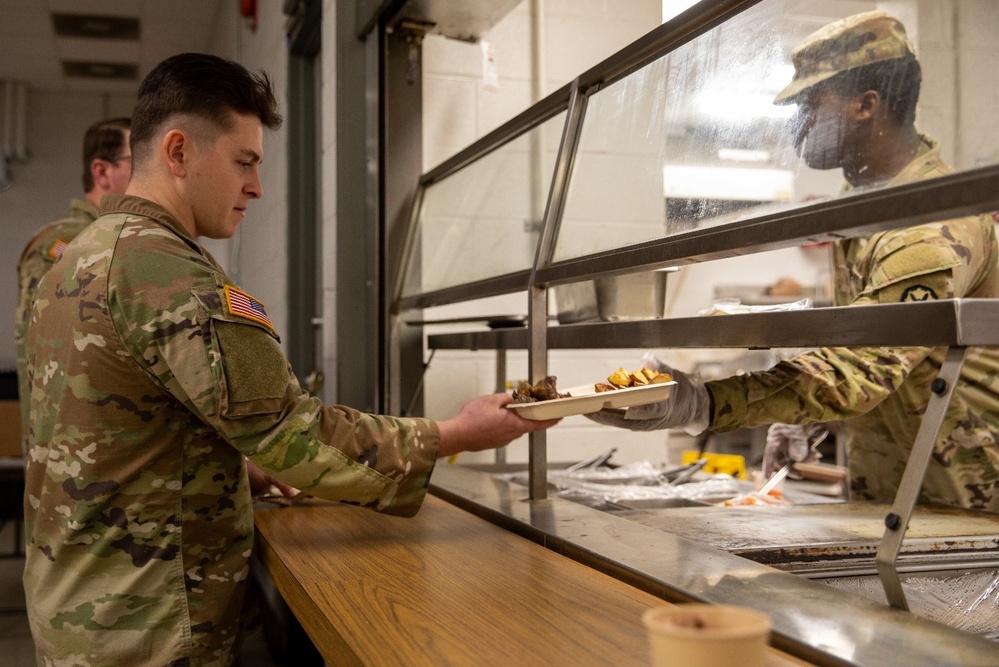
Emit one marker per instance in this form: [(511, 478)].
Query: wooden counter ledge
[(445, 588)]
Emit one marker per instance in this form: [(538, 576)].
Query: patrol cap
[(861, 39)]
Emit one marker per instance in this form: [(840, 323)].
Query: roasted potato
[(622, 379)]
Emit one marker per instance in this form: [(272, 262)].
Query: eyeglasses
[(117, 159)]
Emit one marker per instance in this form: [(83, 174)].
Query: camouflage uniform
[(44, 248), (882, 393), (152, 376)]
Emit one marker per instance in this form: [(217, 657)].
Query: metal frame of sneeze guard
[(955, 324), (538, 308), (897, 520)]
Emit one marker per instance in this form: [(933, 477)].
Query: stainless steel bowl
[(633, 296)]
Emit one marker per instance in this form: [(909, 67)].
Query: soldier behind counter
[(153, 375), (856, 84), (107, 166)]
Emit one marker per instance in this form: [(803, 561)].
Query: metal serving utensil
[(684, 474), (779, 476)]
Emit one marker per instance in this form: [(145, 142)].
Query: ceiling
[(32, 52)]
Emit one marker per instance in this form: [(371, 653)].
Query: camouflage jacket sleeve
[(37, 257), (941, 260), (172, 308)]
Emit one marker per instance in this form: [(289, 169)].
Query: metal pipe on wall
[(13, 127), (7, 126), (539, 188)]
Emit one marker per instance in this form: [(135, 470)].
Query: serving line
[(812, 620)]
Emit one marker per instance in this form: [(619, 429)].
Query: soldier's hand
[(791, 442), (262, 482), (483, 423)]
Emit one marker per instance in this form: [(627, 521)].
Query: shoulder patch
[(919, 293), (241, 304), (56, 250)]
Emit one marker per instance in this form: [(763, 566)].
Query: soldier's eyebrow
[(250, 155)]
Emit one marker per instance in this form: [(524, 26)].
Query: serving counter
[(706, 555), (447, 588)]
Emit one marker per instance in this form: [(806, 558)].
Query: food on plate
[(774, 497), (542, 391), (622, 379), (619, 379)]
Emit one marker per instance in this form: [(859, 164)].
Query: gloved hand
[(792, 442), (688, 406)]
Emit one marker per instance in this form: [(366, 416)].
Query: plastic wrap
[(636, 481), (967, 601), (735, 306)]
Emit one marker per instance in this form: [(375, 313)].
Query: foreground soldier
[(153, 375), (107, 166), (856, 84)]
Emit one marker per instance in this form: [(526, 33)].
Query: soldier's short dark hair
[(897, 81), (106, 141), (203, 86)]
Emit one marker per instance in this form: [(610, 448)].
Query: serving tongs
[(682, 474), (593, 462)]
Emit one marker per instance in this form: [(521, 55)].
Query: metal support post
[(897, 520)]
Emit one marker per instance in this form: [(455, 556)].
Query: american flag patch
[(58, 248), (242, 304)]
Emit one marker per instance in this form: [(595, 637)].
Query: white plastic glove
[(688, 406), (791, 442)]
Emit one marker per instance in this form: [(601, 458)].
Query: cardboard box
[(10, 428)]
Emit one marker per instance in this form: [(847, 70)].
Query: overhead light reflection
[(743, 155), (735, 106)]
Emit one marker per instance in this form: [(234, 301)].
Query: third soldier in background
[(107, 167)]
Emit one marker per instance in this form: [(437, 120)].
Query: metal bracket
[(897, 520), (413, 32)]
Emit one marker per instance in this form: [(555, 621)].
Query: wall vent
[(100, 70), (96, 27)]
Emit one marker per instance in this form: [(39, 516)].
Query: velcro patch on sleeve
[(57, 249), (918, 293), (243, 305)]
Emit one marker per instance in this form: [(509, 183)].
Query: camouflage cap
[(855, 41)]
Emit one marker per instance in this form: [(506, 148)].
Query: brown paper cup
[(706, 635)]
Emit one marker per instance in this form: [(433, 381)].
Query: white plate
[(585, 399)]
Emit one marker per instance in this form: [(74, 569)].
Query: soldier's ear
[(866, 105), (99, 169), (175, 148)]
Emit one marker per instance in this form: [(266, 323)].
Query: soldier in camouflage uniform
[(856, 83), (153, 376), (107, 166)]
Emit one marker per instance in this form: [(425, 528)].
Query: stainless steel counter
[(813, 620)]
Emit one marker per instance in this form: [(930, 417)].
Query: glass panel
[(484, 220), (695, 140)]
